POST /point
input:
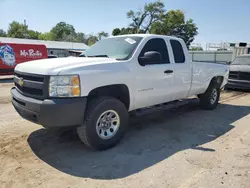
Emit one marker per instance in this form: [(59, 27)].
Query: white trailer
[(211, 56)]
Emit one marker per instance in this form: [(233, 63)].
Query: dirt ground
[(185, 147)]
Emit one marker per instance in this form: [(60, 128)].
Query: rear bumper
[(50, 112), (238, 84)]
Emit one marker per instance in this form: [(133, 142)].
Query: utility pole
[(25, 32)]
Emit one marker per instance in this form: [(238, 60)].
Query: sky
[(217, 20)]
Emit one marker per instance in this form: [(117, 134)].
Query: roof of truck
[(145, 35)]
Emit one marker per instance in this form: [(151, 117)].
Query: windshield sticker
[(130, 41)]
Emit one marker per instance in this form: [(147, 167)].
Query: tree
[(17, 30), (80, 37), (116, 32), (47, 36), (124, 31), (155, 20), (60, 32), (173, 23), (3, 33), (63, 31), (102, 35), (92, 39), (33, 34), (142, 20)]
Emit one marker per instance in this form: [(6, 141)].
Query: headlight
[(64, 86)]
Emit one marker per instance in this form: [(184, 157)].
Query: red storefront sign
[(12, 54)]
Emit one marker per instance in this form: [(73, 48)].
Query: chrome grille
[(31, 85)]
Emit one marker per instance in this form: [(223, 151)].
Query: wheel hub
[(213, 96), (107, 124)]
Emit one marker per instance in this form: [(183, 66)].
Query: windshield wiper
[(97, 56)]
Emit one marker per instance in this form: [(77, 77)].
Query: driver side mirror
[(150, 57)]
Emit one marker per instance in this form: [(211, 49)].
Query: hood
[(54, 66), (240, 68)]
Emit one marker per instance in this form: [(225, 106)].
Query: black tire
[(87, 132), (206, 99)]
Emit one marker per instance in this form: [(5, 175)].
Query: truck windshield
[(244, 60), (117, 47)]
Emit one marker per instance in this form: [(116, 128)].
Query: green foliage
[(124, 31), (3, 33), (67, 38), (80, 37), (47, 36), (60, 32), (173, 23), (142, 20), (154, 19), (33, 34), (17, 30), (92, 39), (116, 32), (63, 31), (102, 35), (190, 30)]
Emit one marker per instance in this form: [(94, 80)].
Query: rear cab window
[(179, 56)]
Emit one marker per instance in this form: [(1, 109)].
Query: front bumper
[(50, 112), (238, 84)]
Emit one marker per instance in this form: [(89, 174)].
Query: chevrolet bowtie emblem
[(20, 82)]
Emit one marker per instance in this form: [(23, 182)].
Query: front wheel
[(105, 123), (209, 100)]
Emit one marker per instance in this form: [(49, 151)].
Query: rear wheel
[(209, 100), (105, 123)]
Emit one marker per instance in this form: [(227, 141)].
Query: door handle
[(168, 71)]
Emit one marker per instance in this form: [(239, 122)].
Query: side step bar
[(162, 107)]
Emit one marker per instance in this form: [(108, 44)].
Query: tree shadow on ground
[(150, 140)]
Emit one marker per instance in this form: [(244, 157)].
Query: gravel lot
[(185, 147)]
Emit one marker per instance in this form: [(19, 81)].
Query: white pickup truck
[(117, 76)]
